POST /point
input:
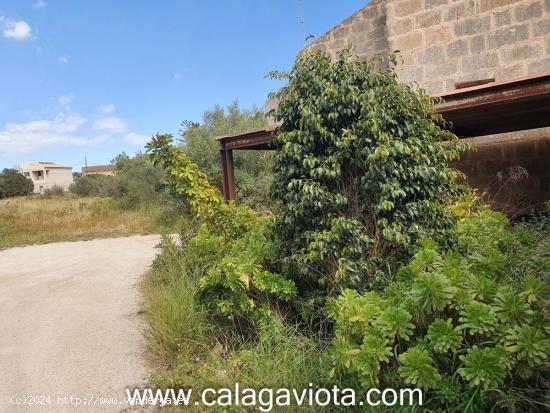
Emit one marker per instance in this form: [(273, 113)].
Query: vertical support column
[(228, 177)]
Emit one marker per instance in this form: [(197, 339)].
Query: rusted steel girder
[(491, 108)]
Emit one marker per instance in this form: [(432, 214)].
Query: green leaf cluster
[(445, 319), (13, 183), (231, 250), (361, 171)]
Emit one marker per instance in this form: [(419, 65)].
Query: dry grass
[(32, 220)]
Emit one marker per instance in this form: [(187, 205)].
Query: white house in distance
[(45, 175)]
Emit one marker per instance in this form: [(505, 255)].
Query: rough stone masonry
[(444, 42)]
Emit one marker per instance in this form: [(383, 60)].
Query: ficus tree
[(361, 171)]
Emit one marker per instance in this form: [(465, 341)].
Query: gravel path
[(69, 323)]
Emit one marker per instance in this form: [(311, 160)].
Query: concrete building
[(107, 170), (489, 62), (45, 175)]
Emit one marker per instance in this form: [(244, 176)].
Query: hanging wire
[(302, 19)]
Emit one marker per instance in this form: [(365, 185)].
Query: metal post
[(228, 177)]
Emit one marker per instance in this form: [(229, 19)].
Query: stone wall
[(449, 42), (366, 30)]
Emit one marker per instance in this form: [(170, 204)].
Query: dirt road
[(69, 324)]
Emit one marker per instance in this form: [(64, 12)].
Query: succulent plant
[(478, 318), (443, 336), (529, 343), (416, 368), (432, 292), (482, 367), (511, 307), (396, 322)]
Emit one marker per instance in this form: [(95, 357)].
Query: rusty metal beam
[(498, 107), (258, 139), (228, 177), (486, 109), (491, 108)]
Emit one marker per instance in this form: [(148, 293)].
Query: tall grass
[(193, 351), (30, 220), (176, 322)]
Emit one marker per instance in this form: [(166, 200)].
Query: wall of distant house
[(445, 42), (51, 177)]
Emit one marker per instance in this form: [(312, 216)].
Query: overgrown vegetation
[(233, 282), (12, 184), (377, 270), (136, 185), (252, 168), (457, 323), (55, 190), (92, 185), (361, 171), (32, 220)]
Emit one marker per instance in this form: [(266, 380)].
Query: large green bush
[(361, 171), (55, 190), (231, 246), (12, 183), (137, 182), (455, 323), (92, 185), (423, 290)]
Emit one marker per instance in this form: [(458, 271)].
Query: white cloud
[(136, 139), (63, 60), (177, 76), (65, 100), (39, 4), (42, 134), (111, 124), (17, 30), (107, 108)]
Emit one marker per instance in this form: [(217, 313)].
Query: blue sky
[(94, 78)]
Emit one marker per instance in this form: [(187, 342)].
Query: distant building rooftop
[(42, 165), (98, 169)]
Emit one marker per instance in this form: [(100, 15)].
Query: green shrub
[(446, 319), (361, 171), (232, 243), (12, 183), (137, 182), (92, 185)]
